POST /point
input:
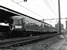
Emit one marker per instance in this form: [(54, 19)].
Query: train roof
[(17, 17), (9, 12)]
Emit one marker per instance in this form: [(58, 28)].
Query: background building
[(57, 26), (66, 27)]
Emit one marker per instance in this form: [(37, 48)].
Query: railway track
[(14, 42)]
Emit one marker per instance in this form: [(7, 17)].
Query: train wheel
[(31, 34)]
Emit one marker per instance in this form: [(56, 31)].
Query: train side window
[(45, 26), (27, 22), (15, 21)]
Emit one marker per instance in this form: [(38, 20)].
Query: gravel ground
[(41, 45), (57, 46), (61, 45)]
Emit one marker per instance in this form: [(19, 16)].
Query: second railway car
[(26, 26)]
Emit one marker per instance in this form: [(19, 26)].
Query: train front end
[(16, 26)]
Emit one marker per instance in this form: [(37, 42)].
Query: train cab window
[(17, 22)]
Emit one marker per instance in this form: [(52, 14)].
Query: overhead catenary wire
[(20, 1), (27, 8), (54, 19), (36, 6), (17, 2), (48, 4)]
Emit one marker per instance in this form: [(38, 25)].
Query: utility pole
[(59, 14)]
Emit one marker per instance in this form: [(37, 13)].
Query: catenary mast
[(59, 14)]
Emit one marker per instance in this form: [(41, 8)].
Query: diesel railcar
[(25, 26)]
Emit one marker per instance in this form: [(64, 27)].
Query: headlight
[(18, 27)]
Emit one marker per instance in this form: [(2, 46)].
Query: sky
[(39, 9)]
